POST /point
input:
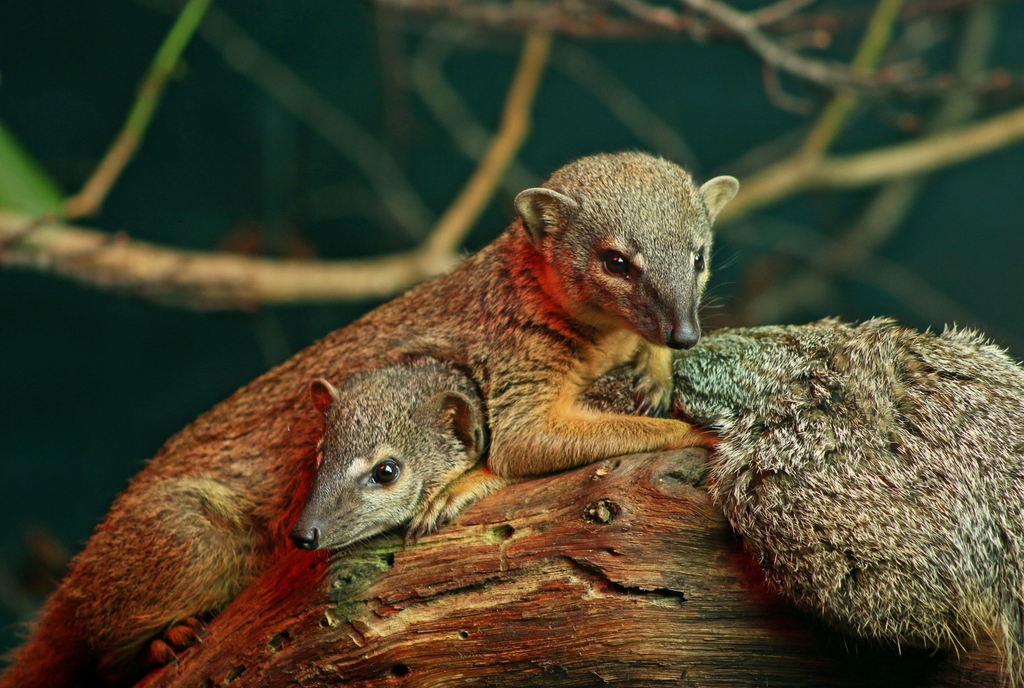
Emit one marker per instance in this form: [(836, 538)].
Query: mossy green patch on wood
[(355, 570)]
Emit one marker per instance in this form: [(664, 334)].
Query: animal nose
[(306, 538), (684, 335)]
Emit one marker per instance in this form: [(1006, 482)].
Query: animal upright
[(875, 472), (605, 265)]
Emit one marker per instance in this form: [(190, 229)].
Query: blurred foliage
[(24, 186)]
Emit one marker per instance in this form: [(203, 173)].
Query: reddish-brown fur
[(208, 512)]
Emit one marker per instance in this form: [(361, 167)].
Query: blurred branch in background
[(502, 150), (793, 39), (246, 56), (891, 204), (746, 26), (90, 198), (220, 280), (469, 135)]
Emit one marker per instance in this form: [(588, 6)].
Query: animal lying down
[(875, 472)]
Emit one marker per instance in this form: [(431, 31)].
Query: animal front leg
[(572, 436), (441, 509)]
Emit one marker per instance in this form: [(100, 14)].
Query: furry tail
[(56, 655)]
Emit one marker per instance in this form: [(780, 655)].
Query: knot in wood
[(601, 511)]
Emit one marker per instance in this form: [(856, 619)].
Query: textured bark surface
[(622, 572)]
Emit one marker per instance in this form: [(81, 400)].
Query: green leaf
[(24, 186)]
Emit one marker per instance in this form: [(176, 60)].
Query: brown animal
[(609, 256), (605, 266), (403, 450), (183, 539)]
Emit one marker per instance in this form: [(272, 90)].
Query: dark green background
[(93, 383)]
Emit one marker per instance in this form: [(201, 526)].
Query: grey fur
[(423, 414), (611, 203), (874, 471)]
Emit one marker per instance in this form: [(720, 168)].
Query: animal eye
[(386, 472), (698, 261), (616, 263)]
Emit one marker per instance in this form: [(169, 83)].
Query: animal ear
[(460, 416), (324, 394), (717, 192), (543, 211)]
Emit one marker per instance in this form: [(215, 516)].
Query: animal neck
[(536, 288)]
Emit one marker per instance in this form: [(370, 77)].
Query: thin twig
[(89, 200), (778, 96), (876, 38), (822, 72), (249, 58), (778, 11), (469, 135), (512, 132)]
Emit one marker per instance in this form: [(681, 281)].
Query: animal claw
[(653, 399)]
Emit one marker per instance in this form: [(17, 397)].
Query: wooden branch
[(246, 56), (456, 222), (122, 150), (196, 279), (620, 572), (210, 280), (470, 137), (799, 173)]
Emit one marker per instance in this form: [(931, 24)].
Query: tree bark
[(620, 572)]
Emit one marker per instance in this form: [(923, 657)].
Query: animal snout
[(305, 537), (684, 334)]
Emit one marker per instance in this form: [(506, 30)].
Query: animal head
[(626, 241), (393, 437)]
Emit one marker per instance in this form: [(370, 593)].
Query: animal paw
[(177, 638), (652, 380), (432, 516), (442, 508), (652, 397)]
